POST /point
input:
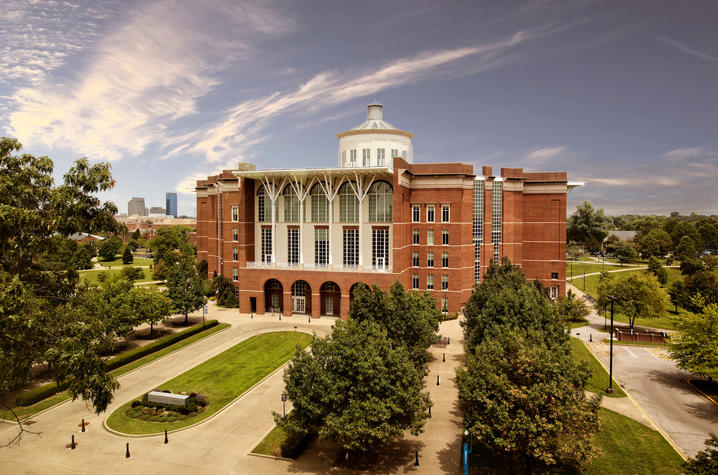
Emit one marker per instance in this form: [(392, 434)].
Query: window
[(445, 282), (554, 275), (554, 292), (352, 158), (403, 154), (444, 259), (235, 234), (430, 282), (320, 205), (496, 218), (415, 282), (429, 213), (415, 236), (264, 209), (380, 157), (445, 237), (235, 213), (380, 202), (291, 205), (344, 158), (321, 246), (478, 226), (430, 237), (444, 213), (415, 259), (266, 245), (365, 157), (348, 204), (351, 247), (394, 152), (235, 254), (235, 274), (380, 248), (444, 304), (415, 210), (429, 259), (293, 246)]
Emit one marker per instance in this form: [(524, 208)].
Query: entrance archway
[(301, 297), (330, 299), (273, 296)]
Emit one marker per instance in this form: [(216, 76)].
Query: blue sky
[(622, 95)]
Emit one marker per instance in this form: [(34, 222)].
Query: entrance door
[(329, 305), (275, 302), (379, 262), (299, 304)]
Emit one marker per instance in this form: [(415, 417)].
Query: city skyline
[(620, 95)]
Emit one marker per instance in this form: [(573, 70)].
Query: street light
[(467, 451), (284, 405), (609, 390)]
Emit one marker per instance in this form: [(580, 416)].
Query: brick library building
[(300, 240)]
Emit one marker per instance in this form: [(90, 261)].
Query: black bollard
[(590, 337), (83, 425), (443, 358), (309, 319), (166, 440), (429, 411), (280, 317), (416, 464), (251, 315), (127, 452), (437, 379), (448, 340), (72, 444)]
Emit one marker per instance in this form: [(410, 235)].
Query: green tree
[(127, 256), (171, 244), (678, 294), (656, 242), (638, 295), (131, 273), (109, 248), (356, 388), (587, 225), (695, 347), (604, 290), (185, 288), (573, 251), (655, 268), (136, 234), (525, 400), (133, 245), (706, 461), (203, 268), (224, 289), (625, 252), (571, 308), (704, 284), (41, 316), (149, 305), (160, 271), (82, 257), (686, 248)]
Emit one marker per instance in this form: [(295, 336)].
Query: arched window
[(348, 204), (380, 202), (320, 205), (291, 205), (263, 205)]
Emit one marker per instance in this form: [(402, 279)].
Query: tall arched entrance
[(330, 299), (301, 297), (273, 296)]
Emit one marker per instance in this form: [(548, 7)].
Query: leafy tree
[(573, 251), (638, 295), (127, 256), (610, 244), (655, 268), (185, 288), (524, 399), (41, 313), (109, 248), (625, 252), (704, 284), (202, 268), (691, 266), (131, 273), (171, 244), (571, 308), (686, 248), (706, 461), (133, 245), (82, 257), (224, 289), (356, 388), (410, 318), (678, 294), (587, 225), (149, 305), (160, 271), (136, 234), (656, 242), (695, 347), (604, 290)]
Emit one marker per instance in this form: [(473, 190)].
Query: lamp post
[(571, 269), (610, 361), (468, 447), (284, 405)]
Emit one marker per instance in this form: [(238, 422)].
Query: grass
[(90, 276), (588, 268), (222, 378), (599, 377), (577, 323), (27, 411), (272, 443), (117, 261)]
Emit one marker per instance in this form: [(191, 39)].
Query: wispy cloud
[(145, 74), (543, 155), (686, 49)]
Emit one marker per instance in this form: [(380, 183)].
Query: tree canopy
[(186, 287), (587, 225), (695, 346), (636, 295)]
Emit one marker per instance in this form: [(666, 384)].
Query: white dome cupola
[(374, 142)]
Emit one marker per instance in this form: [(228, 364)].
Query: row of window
[(415, 284), (430, 213), (429, 259), (366, 157), (380, 204), (430, 237)]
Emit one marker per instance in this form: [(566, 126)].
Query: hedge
[(39, 393), (294, 445)]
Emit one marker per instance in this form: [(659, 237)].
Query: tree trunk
[(150, 329), (186, 319)]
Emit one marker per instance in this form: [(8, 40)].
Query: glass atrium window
[(380, 202)]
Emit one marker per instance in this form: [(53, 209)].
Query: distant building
[(171, 204), (84, 238), (622, 235), (158, 210), (147, 225), (136, 207)]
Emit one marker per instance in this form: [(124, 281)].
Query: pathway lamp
[(284, 405), (609, 390), (466, 452)]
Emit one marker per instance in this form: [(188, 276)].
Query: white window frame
[(415, 213), (235, 274), (415, 282), (430, 213), (445, 213), (430, 259), (235, 234), (430, 282), (444, 237), (429, 237), (415, 259), (235, 213)]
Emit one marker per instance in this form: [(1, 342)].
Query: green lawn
[(90, 276), (63, 395), (222, 378), (599, 377), (588, 268), (117, 262), (272, 443)]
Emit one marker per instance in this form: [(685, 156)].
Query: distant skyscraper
[(136, 206), (171, 204), (157, 210)]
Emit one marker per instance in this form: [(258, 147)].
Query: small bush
[(295, 444), (135, 404)]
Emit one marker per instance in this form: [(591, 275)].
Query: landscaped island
[(220, 379)]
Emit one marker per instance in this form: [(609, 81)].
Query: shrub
[(295, 444), (135, 403)]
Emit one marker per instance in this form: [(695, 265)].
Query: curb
[(274, 457), (702, 393)]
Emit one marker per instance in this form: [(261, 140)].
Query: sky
[(620, 94)]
